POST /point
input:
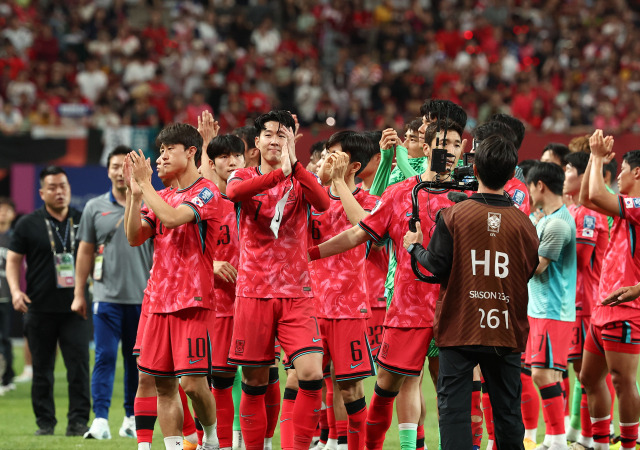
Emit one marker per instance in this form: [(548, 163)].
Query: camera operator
[(492, 248)]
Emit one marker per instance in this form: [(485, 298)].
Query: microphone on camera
[(457, 197)]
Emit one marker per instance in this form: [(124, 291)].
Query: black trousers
[(6, 309), (72, 333), (455, 382)]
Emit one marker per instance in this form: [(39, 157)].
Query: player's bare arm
[(19, 299), (208, 128), (344, 241), (583, 198), (598, 194), (338, 173), (84, 264), (169, 216), (136, 230), (225, 271), (543, 263), (622, 295)]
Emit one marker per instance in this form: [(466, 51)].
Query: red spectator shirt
[(274, 267), (182, 275), (414, 301), (339, 281), (621, 264), (592, 238), (227, 249)]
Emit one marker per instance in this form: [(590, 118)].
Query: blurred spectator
[(10, 119), (266, 37), (92, 80)]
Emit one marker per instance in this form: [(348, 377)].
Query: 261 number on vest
[(492, 318)]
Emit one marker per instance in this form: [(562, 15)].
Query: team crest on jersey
[(636, 202), (493, 222), (202, 198), (518, 197), (589, 222), (384, 350), (239, 346)]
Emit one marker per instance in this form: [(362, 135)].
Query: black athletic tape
[(384, 393), (355, 406), (254, 390), (222, 382), (311, 385), (290, 394)]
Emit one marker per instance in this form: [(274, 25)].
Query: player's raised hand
[(389, 139), (413, 237), (208, 128), (291, 144), (340, 163), (600, 145), (622, 295), (126, 171), (324, 168), (225, 270), (141, 167), (296, 129)]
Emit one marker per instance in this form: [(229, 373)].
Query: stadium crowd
[(559, 66)]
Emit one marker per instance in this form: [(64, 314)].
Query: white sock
[(210, 436), (586, 441), (173, 443), (407, 426), (599, 446), (489, 444), (267, 443), (572, 433), (531, 434), (343, 447), (547, 441), (612, 430), (192, 438), (558, 439), (332, 444), (144, 446), (567, 422)]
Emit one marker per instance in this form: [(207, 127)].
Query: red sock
[(476, 427), (286, 418), (324, 426), (357, 413), (553, 408), (146, 412), (223, 393), (253, 416), (379, 417), (331, 416), (628, 435), (272, 401), (565, 392), (199, 429), (487, 411), (420, 438), (612, 392), (188, 425), (600, 428), (306, 412), (530, 402), (585, 420)]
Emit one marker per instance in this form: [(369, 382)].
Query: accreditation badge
[(65, 269), (97, 264)]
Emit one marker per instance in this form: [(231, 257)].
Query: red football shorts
[(548, 344), (259, 321), (277, 350), (374, 329), (345, 343), (579, 333), (142, 323), (177, 344), (404, 350), (620, 337), (221, 336)]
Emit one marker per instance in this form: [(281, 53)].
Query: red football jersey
[(272, 267), (519, 193), (592, 238), (621, 264), (182, 275), (414, 302), (339, 281), (376, 267), (227, 249)]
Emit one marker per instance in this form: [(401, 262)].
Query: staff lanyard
[(69, 233)]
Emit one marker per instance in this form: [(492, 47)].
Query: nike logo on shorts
[(533, 356), (284, 420), (316, 410), (247, 415), (197, 360), (316, 340), (353, 366)]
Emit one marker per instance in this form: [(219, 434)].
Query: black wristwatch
[(411, 247)]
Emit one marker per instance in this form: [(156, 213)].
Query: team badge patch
[(196, 201), (518, 197), (587, 233), (205, 195), (493, 222), (589, 222), (636, 202), (628, 202), (384, 350), (239, 346)]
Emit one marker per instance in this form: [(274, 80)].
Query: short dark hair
[(611, 167), (226, 144), (359, 148), (632, 158), (414, 125), (441, 125), (435, 109), (516, 126), (282, 117), (560, 150), (317, 147), (248, 134), (374, 136), (526, 166), (182, 134), (119, 150), (51, 170), (579, 160), (495, 159), (550, 174), (482, 132), (7, 201)]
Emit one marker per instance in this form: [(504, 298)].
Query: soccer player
[(181, 280), (592, 238), (251, 152), (225, 154), (340, 281), (273, 285), (612, 343), (555, 153), (552, 294), (409, 321)]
